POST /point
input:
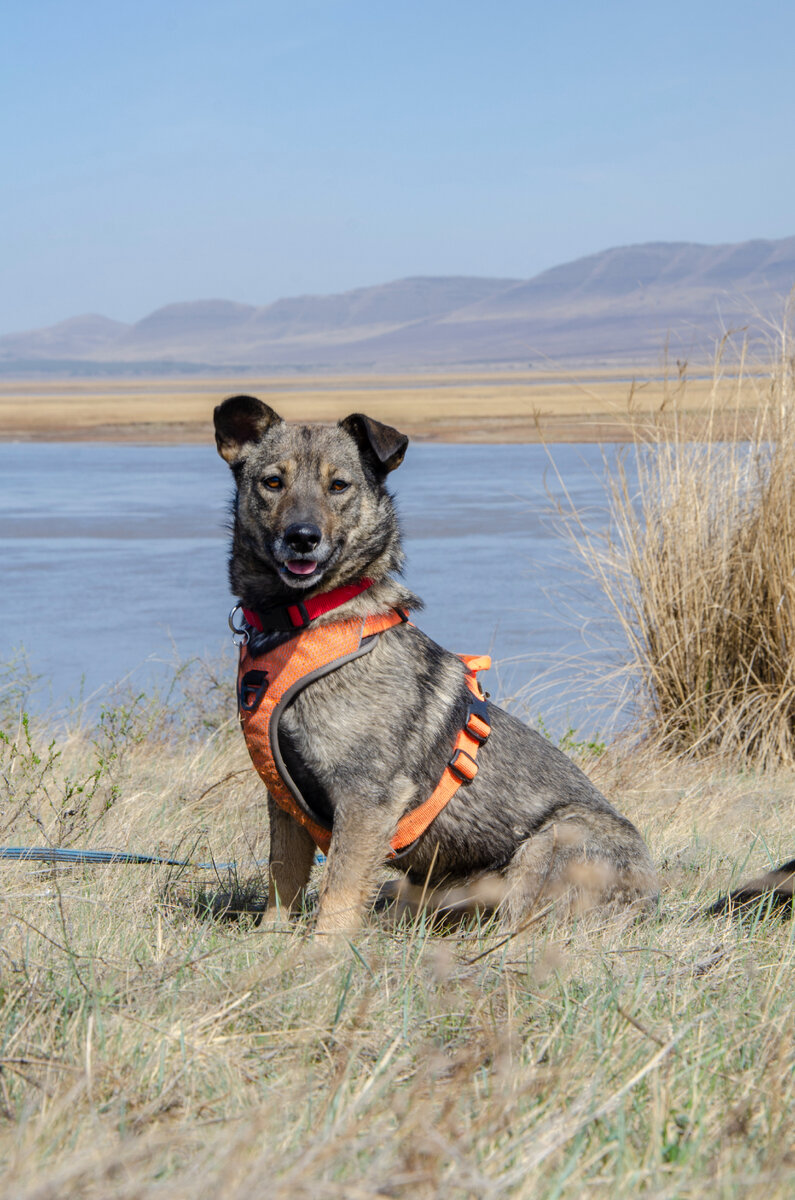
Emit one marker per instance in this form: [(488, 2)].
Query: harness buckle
[(476, 722), (304, 618), (464, 766), (240, 633)]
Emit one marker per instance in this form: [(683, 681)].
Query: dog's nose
[(302, 538)]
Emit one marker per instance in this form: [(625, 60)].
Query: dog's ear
[(381, 443), (238, 420)]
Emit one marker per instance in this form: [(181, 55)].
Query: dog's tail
[(773, 892)]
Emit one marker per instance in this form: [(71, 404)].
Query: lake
[(114, 562)]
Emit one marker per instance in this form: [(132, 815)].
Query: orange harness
[(268, 682)]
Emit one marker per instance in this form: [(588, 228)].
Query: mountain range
[(624, 304)]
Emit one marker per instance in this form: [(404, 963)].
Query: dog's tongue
[(300, 566)]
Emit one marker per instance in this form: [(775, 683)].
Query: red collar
[(288, 617)]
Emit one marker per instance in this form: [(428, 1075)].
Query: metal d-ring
[(240, 633)]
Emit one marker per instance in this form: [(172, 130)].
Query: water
[(114, 561)]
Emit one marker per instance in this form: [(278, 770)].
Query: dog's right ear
[(239, 420)]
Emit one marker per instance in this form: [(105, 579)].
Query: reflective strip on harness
[(267, 683)]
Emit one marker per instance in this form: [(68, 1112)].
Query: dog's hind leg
[(446, 904), (292, 852), (577, 862)]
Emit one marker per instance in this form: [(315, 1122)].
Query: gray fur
[(370, 741)]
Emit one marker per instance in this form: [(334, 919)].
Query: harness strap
[(288, 795), (462, 767)]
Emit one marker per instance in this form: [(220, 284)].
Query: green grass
[(149, 1050)]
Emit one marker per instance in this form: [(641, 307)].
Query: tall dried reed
[(698, 563)]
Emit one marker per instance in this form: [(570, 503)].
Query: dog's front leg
[(291, 855), (359, 845)]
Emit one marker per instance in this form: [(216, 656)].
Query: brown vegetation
[(565, 406), (151, 1050), (699, 565)]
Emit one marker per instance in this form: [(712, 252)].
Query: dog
[(365, 744)]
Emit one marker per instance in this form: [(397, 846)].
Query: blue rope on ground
[(54, 854)]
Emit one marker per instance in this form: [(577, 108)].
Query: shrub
[(699, 564)]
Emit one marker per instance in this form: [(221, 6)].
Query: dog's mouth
[(303, 572), (301, 566)]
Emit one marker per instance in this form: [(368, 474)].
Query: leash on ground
[(56, 854)]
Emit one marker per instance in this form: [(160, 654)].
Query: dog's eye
[(273, 482), (339, 485)]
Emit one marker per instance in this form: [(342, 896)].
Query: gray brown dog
[(368, 742)]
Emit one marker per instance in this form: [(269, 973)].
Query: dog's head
[(312, 506)]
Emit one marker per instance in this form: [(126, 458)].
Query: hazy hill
[(621, 304), (79, 337)]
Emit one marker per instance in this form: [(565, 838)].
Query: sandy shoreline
[(592, 406), (496, 430)]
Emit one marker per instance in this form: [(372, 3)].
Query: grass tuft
[(699, 565)]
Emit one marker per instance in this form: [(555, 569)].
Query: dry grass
[(567, 406), (699, 565), (149, 1051)]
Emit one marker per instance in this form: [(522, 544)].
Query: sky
[(168, 150)]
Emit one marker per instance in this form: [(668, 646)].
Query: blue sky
[(170, 150)]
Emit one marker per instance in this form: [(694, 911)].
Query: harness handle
[(253, 687), (476, 662)]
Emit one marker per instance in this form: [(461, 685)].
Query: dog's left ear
[(384, 445)]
